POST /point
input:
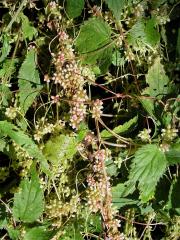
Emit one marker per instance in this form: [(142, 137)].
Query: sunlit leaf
[(28, 201)]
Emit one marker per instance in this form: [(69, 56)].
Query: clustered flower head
[(169, 133), (68, 74), (78, 108), (145, 135), (42, 128), (97, 109), (100, 197), (11, 112)]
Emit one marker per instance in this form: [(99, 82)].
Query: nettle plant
[(89, 117)]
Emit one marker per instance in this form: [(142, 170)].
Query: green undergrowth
[(89, 119)]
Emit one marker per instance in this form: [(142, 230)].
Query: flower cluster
[(78, 108), (71, 77), (145, 135), (11, 112), (97, 109), (42, 128), (23, 160), (56, 209), (100, 197), (169, 133)]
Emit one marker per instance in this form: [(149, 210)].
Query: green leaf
[(74, 8), (148, 165), (29, 81), (93, 222), (173, 155), (116, 6), (152, 36), (174, 196), (157, 80), (117, 59), (24, 141), (121, 202), (111, 168), (14, 234), (39, 233), (143, 34), (5, 48), (60, 148), (2, 145), (28, 202), (121, 128), (117, 197), (28, 31), (94, 43), (3, 217), (5, 94), (8, 68), (148, 105)]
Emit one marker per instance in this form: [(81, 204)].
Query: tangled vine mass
[(89, 119)]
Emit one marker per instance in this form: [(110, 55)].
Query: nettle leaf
[(6, 47), (3, 217), (117, 197), (94, 43), (148, 165), (24, 141), (143, 33), (14, 234), (111, 168), (60, 148), (29, 201), (173, 155), (174, 196), (39, 233), (28, 31), (74, 8), (157, 80), (116, 6), (2, 145), (29, 81), (5, 95), (121, 128), (117, 59)]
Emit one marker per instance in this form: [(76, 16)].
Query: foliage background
[(89, 118)]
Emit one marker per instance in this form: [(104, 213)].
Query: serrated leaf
[(94, 43), (157, 80), (29, 81), (6, 47), (39, 233), (111, 168), (121, 128), (5, 94), (94, 34), (175, 196), (74, 8), (28, 202), (60, 148), (24, 141), (143, 34), (173, 155), (116, 6), (148, 165), (28, 31), (148, 105), (117, 197), (14, 234)]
